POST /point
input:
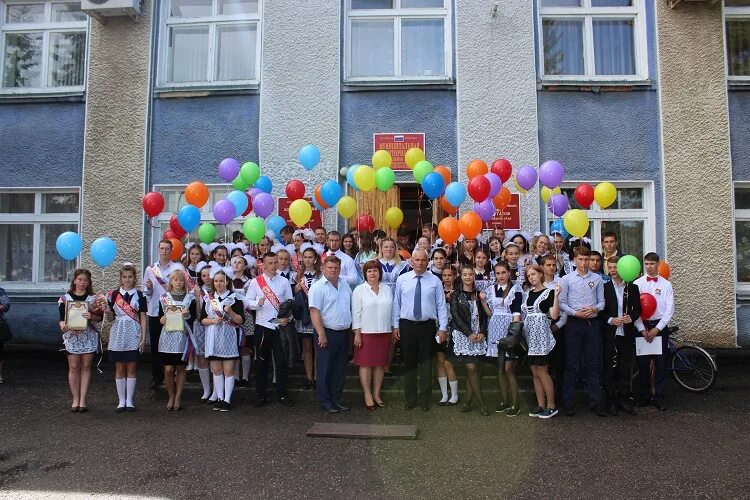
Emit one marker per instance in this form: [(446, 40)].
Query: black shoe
[(408, 406), (512, 411), (442, 403), (569, 411), (660, 406), (612, 409), (599, 410), (225, 406), (82, 409), (307, 385), (243, 383), (209, 402), (129, 409), (536, 411), (119, 409), (501, 407), (286, 401), (261, 402), (341, 407), (217, 405), (330, 410)]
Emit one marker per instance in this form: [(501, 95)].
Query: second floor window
[(737, 19)]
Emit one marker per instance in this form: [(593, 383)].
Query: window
[(210, 43), (30, 223), (593, 40), (742, 234), (398, 40), (43, 46), (737, 23)]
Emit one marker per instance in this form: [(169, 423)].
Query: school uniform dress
[(199, 331), (518, 274), (468, 318), (505, 302), (222, 340), (391, 272), (536, 325), (125, 334), (173, 345), (79, 341), (371, 314), (304, 325), (241, 285), (483, 281)]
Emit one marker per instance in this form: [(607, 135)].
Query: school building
[(103, 101)]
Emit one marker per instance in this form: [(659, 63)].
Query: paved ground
[(698, 449)]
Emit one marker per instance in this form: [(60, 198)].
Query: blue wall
[(43, 144), (739, 130)]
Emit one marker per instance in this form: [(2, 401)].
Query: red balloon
[(365, 223), (648, 305), (295, 190), (249, 205), (502, 168), (584, 195), (175, 226), (153, 203), (168, 235), (479, 188)]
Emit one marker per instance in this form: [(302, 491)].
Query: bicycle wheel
[(693, 368)]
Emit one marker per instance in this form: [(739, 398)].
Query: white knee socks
[(219, 386), (205, 382), (130, 391), (246, 367), (454, 391), (443, 381), (228, 388), (120, 383)]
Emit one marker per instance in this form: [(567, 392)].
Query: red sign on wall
[(397, 145), (315, 220), (510, 216)]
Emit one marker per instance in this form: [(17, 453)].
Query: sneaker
[(225, 406), (512, 411), (501, 407), (548, 413), (536, 411), (217, 405)]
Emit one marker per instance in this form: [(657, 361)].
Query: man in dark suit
[(622, 307)]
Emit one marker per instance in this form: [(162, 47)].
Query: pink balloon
[(485, 210), (558, 204), (526, 177), (551, 173), (495, 183), (224, 211)]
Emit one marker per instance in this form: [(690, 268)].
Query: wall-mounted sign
[(510, 216), (397, 145)]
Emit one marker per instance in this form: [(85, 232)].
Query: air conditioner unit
[(111, 8)]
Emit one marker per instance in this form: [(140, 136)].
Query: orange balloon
[(664, 270), (449, 230), (447, 207), (470, 224), (177, 249), (445, 172), (196, 193), (319, 198), (502, 199), (476, 167)]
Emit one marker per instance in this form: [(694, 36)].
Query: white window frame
[(46, 28), (38, 219), (397, 14), (733, 14), (741, 287), (212, 22), (637, 12)]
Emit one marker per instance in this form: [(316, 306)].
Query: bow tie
[(649, 278)]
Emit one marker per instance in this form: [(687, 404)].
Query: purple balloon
[(551, 173), (526, 177), (485, 210), (495, 183), (558, 204), (263, 205), (229, 169), (224, 211), (253, 192)]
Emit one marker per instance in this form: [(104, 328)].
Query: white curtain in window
[(236, 52), (188, 54), (372, 48), (563, 47), (614, 48), (66, 59), (16, 248), (53, 267), (422, 47)]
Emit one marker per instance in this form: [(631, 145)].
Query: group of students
[(227, 307)]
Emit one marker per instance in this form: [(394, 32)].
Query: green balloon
[(250, 172), (207, 232), (239, 183), (421, 169), (254, 229), (384, 178), (628, 268)]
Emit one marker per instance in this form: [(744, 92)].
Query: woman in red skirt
[(371, 322)]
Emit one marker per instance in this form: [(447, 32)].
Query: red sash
[(270, 296), (189, 281), (126, 307)]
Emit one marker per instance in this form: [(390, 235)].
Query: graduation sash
[(270, 296), (126, 307), (217, 309), (157, 275)]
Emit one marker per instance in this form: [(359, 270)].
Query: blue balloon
[(557, 226), (103, 251), (455, 193), (316, 204), (331, 192), (189, 217), (309, 156), (433, 185), (238, 199), (264, 184), (350, 176), (68, 245), (276, 224)]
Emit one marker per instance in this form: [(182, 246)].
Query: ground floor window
[(742, 234)]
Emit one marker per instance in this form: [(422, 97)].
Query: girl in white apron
[(512, 257), (308, 273), (483, 270), (199, 336), (445, 371), (240, 283)]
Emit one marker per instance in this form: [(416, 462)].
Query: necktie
[(418, 299), (649, 278), (127, 297)]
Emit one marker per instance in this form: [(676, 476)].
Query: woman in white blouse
[(371, 322)]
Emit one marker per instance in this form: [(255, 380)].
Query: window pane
[(742, 247), (25, 13), (737, 3), (188, 53), (742, 198), (16, 249), (611, 3), (238, 6), (66, 12), (561, 3), (237, 52), (53, 267), (629, 236), (23, 60), (422, 4), (171, 201), (17, 203), (614, 48), (372, 48), (628, 199), (372, 4), (60, 203), (67, 52), (190, 8), (563, 47), (422, 47), (738, 47)]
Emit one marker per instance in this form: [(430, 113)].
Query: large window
[(742, 234), (30, 222), (593, 40), (210, 43), (398, 40), (43, 46), (737, 19)]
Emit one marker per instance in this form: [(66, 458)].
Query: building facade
[(650, 95)]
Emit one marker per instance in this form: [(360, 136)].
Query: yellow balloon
[(346, 206), (413, 156), (546, 193), (300, 212), (364, 178), (519, 188), (381, 158), (605, 193), (394, 217), (576, 222)]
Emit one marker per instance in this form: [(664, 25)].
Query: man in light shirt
[(348, 267)]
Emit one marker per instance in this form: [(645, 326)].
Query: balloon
[(518, 187), (445, 172), (103, 251), (381, 159), (584, 195), (189, 216), (664, 270), (413, 156), (153, 203), (263, 205), (196, 193), (346, 206), (628, 268), (576, 222), (295, 190), (558, 204), (470, 224), (503, 198), (207, 233), (605, 194), (300, 212), (250, 172), (502, 168), (551, 173), (421, 169), (253, 192), (475, 168), (319, 199), (394, 217), (331, 193), (447, 207), (495, 183), (317, 205), (239, 184), (174, 225), (229, 169), (169, 234), (309, 156), (455, 193), (224, 211), (479, 188), (276, 224), (68, 245), (365, 223), (249, 204), (239, 200), (254, 228), (433, 185), (384, 178), (485, 210), (546, 193), (526, 177), (350, 176), (177, 249), (364, 177), (648, 305), (449, 230), (264, 184), (557, 226)]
